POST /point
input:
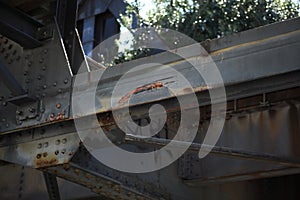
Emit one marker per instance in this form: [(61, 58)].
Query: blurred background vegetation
[(204, 19)]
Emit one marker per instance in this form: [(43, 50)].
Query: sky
[(147, 5)]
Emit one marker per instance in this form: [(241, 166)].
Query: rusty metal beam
[(216, 150)]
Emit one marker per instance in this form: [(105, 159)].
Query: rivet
[(41, 60), (32, 110), (45, 51), (38, 156), (27, 81), (54, 84), (63, 151), (58, 105), (45, 154), (7, 125), (59, 91), (25, 73), (4, 103), (57, 142), (64, 141), (39, 146), (18, 112), (66, 81), (29, 63), (39, 77), (56, 152), (44, 87), (46, 144), (44, 68), (3, 120)]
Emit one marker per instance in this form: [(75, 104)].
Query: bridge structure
[(46, 45)]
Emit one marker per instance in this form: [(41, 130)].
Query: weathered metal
[(260, 138), (19, 27)]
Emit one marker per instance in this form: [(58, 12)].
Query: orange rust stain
[(60, 116), (40, 162), (143, 88), (188, 90)]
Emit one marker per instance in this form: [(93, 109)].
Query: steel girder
[(263, 106)]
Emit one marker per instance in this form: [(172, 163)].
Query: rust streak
[(143, 88)]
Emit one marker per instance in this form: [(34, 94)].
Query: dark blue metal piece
[(100, 21), (88, 35)]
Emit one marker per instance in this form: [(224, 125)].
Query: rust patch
[(151, 86), (47, 161), (188, 90), (53, 118)]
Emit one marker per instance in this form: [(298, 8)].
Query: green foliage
[(203, 19), (206, 19)]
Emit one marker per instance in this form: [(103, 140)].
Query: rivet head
[(64, 141), (32, 110), (18, 112), (63, 151), (46, 144), (58, 105), (39, 146)]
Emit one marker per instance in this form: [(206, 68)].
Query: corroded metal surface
[(260, 138)]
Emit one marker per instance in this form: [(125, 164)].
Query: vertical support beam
[(52, 186), (88, 35), (66, 15)]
